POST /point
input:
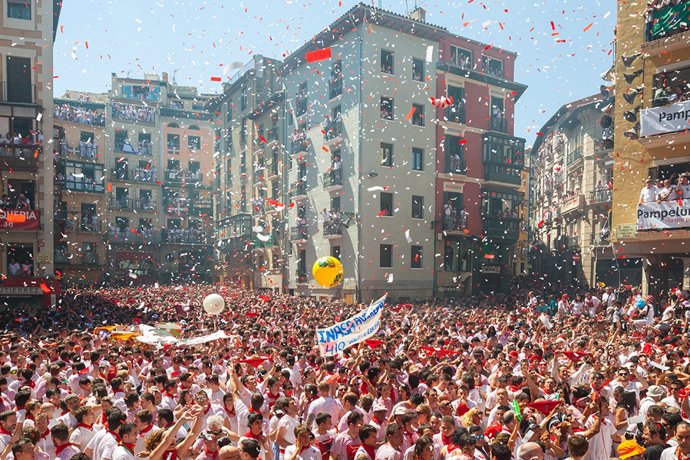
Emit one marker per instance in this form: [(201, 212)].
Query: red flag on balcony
[(318, 55)]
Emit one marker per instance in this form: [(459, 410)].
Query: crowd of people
[(674, 189), (78, 114), (582, 375), (133, 112)]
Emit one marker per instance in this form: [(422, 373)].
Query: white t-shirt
[(310, 453), (648, 194), (289, 423)]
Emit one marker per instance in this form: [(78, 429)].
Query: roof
[(568, 110), (86, 96)]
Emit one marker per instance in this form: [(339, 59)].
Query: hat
[(400, 410), (414, 368), (513, 354), (629, 448), (656, 391), (378, 407)]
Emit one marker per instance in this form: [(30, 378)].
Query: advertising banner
[(664, 215), (666, 119)]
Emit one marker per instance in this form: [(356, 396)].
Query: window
[(456, 112), (302, 265), (387, 62), (301, 100), (85, 177), (454, 215), (455, 155), (417, 207), (416, 257), (120, 140), (386, 204), (19, 9), (461, 57), (86, 136), (418, 115), (145, 146), (417, 159), (173, 143), (385, 256), (194, 142), (387, 108), (386, 154), (417, 70), (335, 252), (244, 98), (335, 203), (19, 83), (493, 67), (335, 84), (498, 121)]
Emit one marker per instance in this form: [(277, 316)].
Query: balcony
[(669, 21), (301, 277), (130, 204), (335, 87), (456, 113), (273, 170), (502, 172), (61, 258), (498, 124), (185, 236), (574, 204), (333, 180), (333, 229), (136, 175), (18, 91), (177, 207), (455, 164), (299, 233), (81, 184), (455, 223), (506, 228), (133, 113), (333, 131), (89, 224), (179, 176), (132, 236), (20, 157), (602, 196), (85, 113), (299, 144), (298, 190), (172, 112), (85, 150), (88, 259)]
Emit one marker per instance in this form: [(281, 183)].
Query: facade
[(250, 167), (479, 166), (80, 185), (135, 175), (26, 163), (651, 141), (363, 167), (571, 174)]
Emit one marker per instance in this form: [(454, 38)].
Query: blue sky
[(196, 40)]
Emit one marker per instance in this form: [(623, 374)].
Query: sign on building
[(26, 221), (664, 215), (666, 119)]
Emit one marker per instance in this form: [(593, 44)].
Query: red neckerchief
[(103, 418), (170, 455), (249, 434), (305, 448), (231, 412), (679, 453), (4, 431), (207, 409), (59, 449), (63, 413), (371, 451), (214, 454), (117, 436), (84, 425), (30, 416), (169, 395), (146, 430), (30, 383), (254, 411), (376, 419), (129, 446), (451, 447), (445, 440), (45, 434)]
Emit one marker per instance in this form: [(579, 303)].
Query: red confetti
[(263, 139), (86, 44), (216, 79), (383, 212), (462, 141), (539, 133), (110, 187), (318, 55), (325, 149), (540, 224), (589, 26), (553, 26), (44, 287), (410, 113)]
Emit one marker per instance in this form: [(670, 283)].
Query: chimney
[(418, 14)]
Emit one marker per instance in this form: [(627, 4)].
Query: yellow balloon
[(328, 271)]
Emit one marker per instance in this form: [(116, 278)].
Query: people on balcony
[(78, 115), (649, 192), (23, 203), (454, 219), (133, 112), (332, 220)]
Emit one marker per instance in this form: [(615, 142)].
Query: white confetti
[(407, 236), (376, 188), (263, 238), (39, 117), (389, 278), (430, 53)]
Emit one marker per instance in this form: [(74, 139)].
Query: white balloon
[(214, 304)]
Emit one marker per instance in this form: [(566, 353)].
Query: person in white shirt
[(664, 193), (302, 449), (324, 403), (84, 431), (208, 409), (394, 439), (649, 192), (367, 451), (285, 435), (654, 395), (8, 423), (64, 450), (128, 439), (682, 450), (103, 443)]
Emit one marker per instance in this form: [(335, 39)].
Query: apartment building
[(651, 142), (249, 165), (572, 182), (26, 162), (80, 186)]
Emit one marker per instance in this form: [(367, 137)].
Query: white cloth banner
[(659, 216), (334, 339), (666, 119), (157, 336)]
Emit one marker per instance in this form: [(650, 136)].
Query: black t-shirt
[(654, 452)]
